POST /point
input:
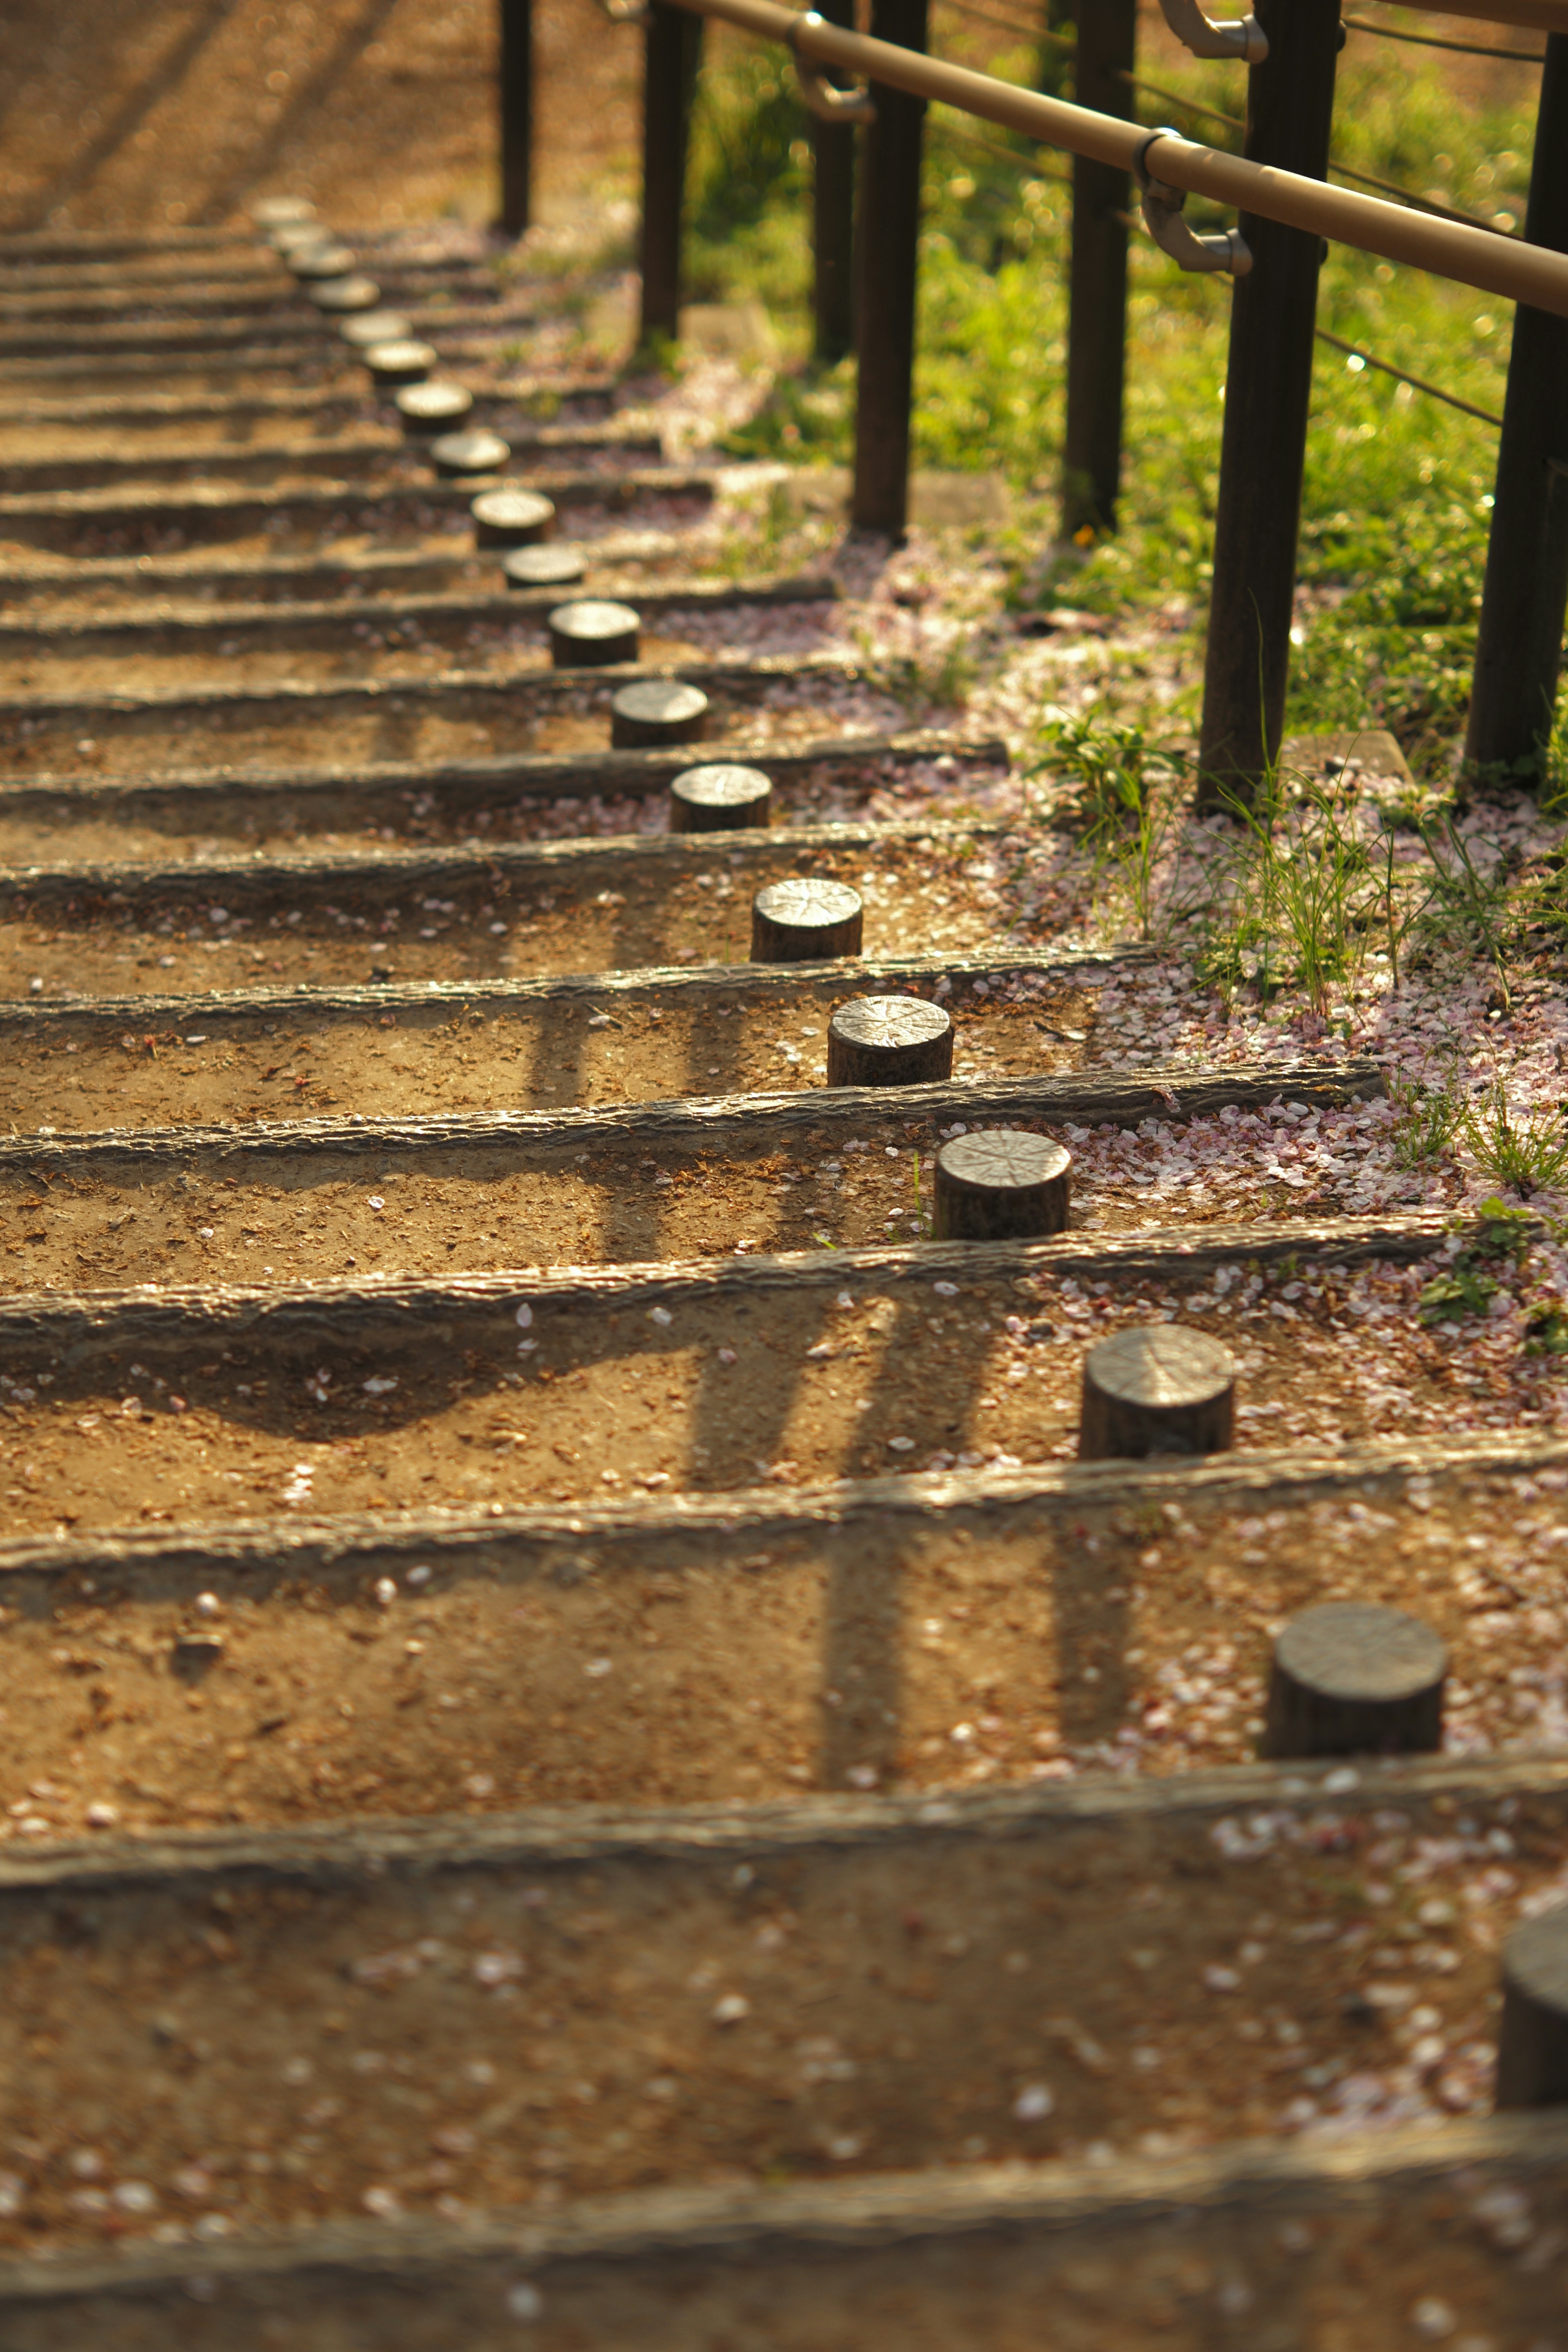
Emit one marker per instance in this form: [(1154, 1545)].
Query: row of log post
[(866, 224)]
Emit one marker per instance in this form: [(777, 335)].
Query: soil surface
[(612, 911), (474, 2038), (544, 1052), (168, 114), (529, 707), (718, 1389), (1016, 1646), (675, 1554)]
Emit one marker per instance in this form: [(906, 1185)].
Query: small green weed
[(1428, 1121), (1466, 909), (1300, 896), (1528, 1156), (1546, 1334), (1123, 800), (941, 674), (1468, 1287)]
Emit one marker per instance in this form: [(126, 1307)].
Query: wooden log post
[(1533, 2039), (1003, 1184), (1097, 279), (1267, 392), (721, 797), (1156, 1389), (833, 221), (474, 450), (593, 634), (887, 268), (511, 518), (515, 94), (1519, 650), (655, 711), (525, 568), (1352, 1678), (673, 52), (429, 409), (889, 1041), (805, 918), (405, 360)]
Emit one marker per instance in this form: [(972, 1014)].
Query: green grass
[(1398, 486)]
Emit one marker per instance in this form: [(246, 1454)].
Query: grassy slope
[(1397, 485)]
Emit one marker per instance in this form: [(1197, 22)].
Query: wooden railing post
[(1268, 394), (674, 49), (887, 268), (1096, 299), (833, 219), (1519, 650), (515, 93)]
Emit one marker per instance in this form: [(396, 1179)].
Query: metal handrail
[(1530, 16), (1495, 265)]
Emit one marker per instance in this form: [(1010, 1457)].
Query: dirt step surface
[(494, 346), (847, 1167), (279, 412), (274, 367), (201, 335), (487, 1389), (371, 636), (524, 705), (933, 1634), (36, 436), (469, 1390), (54, 587), (622, 1038), (509, 650), (157, 519), (655, 900), (373, 448), (891, 1995), (523, 796), (270, 295), (1174, 2254), (175, 432)]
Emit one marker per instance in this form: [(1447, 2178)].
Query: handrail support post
[(886, 267), (673, 39), (1096, 278), (1267, 395), (1519, 645), (832, 220), (515, 93)]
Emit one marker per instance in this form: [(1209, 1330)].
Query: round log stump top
[(722, 785), (376, 326), (1535, 1959), (404, 362), (301, 236), (659, 702), (317, 256), (429, 406), (478, 451), (889, 1024), (277, 212), (1358, 1651), (1003, 1160), (510, 517), (592, 633), (345, 294), (808, 902), (1162, 1367), (432, 407), (543, 567)]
